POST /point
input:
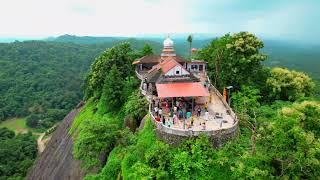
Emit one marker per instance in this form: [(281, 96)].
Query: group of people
[(179, 112)]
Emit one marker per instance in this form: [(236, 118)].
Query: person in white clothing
[(206, 116), (145, 86), (160, 113), (175, 109), (177, 103), (156, 110)]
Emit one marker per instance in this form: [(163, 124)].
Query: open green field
[(18, 125)]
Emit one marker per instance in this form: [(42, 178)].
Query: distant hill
[(181, 45), (293, 55), (296, 56), (84, 39)]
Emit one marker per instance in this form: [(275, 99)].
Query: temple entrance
[(200, 67)]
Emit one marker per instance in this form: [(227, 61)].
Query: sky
[(282, 19)]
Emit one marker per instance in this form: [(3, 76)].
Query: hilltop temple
[(166, 75), (183, 102)]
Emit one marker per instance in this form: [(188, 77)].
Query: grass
[(18, 125), (85, 113)]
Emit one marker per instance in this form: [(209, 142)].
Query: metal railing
[(226, 105), (139, 75)]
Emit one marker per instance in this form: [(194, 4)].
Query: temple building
[(182, 101), (169, 75)]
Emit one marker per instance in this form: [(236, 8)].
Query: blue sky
[(281, 19)]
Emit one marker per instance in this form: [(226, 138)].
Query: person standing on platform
[(160, 112), (180, 114), (169, 121), (156, 110), (145, 86), (188, 115), (192, 120), (199, 112), (171, 113), (175, 118), (206, 115), (177, 104)]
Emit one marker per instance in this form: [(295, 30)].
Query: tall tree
[(147, 50), (246, 104), (112, 90), (120, 56), (189, 39), (234, 59)]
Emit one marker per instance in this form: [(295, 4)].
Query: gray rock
[(57, 162)]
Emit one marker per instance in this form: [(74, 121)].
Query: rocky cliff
[(57, 162)]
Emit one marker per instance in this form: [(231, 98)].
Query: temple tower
[(168, 51)]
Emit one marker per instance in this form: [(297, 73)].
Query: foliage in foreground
[(287, 147), (17, 154), (109, 85)]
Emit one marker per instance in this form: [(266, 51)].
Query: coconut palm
[(189, 39)]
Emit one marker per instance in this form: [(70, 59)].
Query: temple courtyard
[(218, 117)]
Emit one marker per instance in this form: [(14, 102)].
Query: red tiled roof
[(193, 89), (169, 65), (165, 66)]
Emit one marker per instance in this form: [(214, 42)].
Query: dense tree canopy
[(37, 76), (289, 85), (109, 85), (234, 59), (120, 56), (17, 154)]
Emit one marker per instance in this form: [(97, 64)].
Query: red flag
[(225, 94)]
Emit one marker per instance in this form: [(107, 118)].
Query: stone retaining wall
[(175, 136)]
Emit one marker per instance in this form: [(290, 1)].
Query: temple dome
[(168, 42)]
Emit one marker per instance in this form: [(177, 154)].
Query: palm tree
[(190, 42)]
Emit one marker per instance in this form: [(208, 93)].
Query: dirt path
[(40, 143)]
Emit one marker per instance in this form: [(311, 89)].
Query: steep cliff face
[(57, 162)]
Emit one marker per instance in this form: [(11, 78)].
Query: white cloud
[(291, 19), (91, 17)]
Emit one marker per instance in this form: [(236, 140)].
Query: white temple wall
[(177, 71)]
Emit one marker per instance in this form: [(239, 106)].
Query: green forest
[(17, 154), (278, 109), (43, 80)]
